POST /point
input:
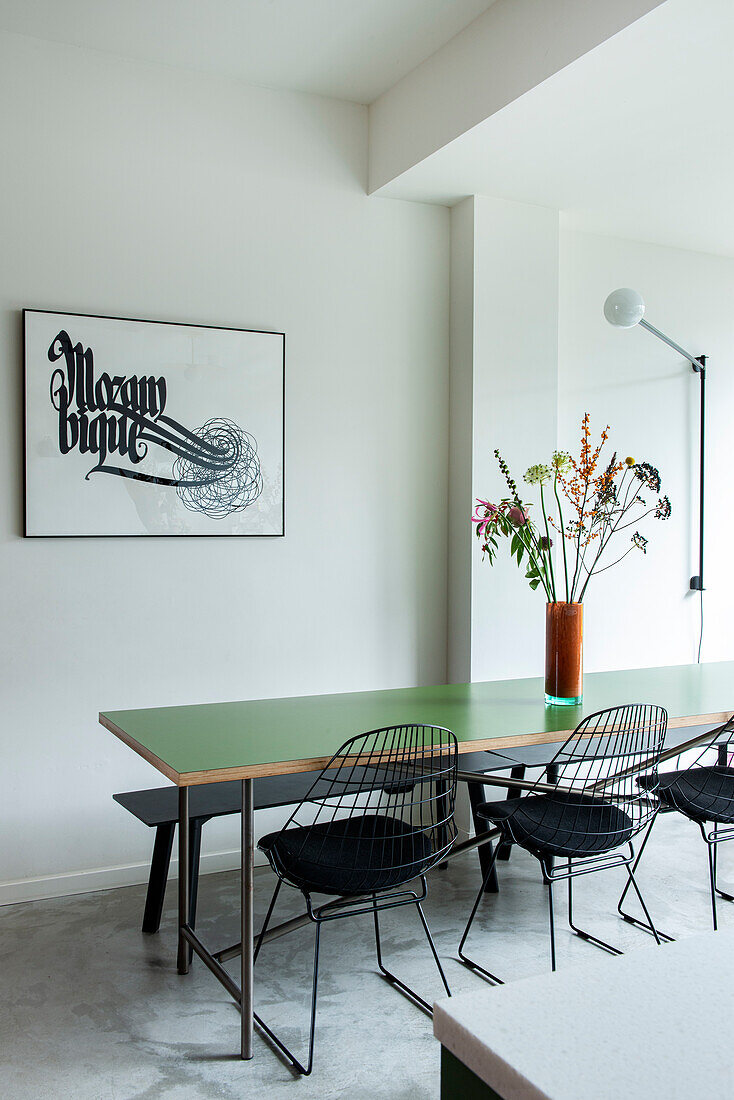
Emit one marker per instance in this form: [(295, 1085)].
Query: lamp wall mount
[(625, 308), (699, 367)]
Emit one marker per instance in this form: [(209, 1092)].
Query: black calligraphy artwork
[(116, 419)]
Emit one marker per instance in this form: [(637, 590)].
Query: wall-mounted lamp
[(625, 308)]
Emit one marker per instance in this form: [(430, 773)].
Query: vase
[(564, 653)]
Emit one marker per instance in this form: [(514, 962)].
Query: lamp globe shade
[(624, 308)]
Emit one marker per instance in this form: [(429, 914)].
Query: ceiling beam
[(514, 46)]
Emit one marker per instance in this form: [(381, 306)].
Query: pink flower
[(518, 516), (484, 513)]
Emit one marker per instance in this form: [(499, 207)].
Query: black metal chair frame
[(617, 743), (721, 741), (477, 797), (390, 764)]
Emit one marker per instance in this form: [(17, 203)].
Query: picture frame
[(151, 428)]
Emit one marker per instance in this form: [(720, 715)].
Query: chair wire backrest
[(706, 786), (384, 802), (596, 768)]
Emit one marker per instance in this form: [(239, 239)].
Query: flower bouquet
[(587, 506)]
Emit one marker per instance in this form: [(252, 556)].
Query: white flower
[(561, 461), (537, 475)]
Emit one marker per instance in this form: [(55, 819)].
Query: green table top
[(219, 741)]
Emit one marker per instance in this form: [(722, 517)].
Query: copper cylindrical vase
[(564, 653)]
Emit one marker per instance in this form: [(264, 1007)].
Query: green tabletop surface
[(218, 741)]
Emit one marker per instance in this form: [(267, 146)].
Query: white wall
[(461, 441), (504, 381), (531, 353), (515, 398), (643, 613), (146, 192)]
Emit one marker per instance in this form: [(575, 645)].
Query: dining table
[(212, 742)]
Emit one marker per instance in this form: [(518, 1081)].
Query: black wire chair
[(379, 816), (704, 793), (587, 821)]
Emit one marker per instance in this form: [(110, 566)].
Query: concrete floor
[(94, 1010)]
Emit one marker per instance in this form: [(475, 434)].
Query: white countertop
[(657, 1022)]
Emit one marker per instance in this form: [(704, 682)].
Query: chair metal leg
[(716, 861), (552, 924), (268, 1031), (580, 931), (464, 958), (721, 893), (713, 854), (266, 922), (314, 995), (649, 926), (410, 993), (432, 946), (486, 857), (631, 881), (712, 878), (716, 891), (659, 937), (304, 1071), (159, 866)]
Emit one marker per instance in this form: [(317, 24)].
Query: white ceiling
[(350, 49), (635, 139)]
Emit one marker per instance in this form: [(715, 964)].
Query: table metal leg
[(248, 926), (183, 878)]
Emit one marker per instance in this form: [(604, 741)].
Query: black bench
[(158, 809)]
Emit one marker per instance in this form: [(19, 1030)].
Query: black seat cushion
[(353, 855), (560, 824), (703, 794)]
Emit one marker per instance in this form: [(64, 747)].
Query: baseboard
[(103, 878)]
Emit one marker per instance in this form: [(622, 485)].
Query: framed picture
[(152, 428)]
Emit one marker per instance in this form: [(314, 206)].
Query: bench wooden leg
[(476, 797), (159, 868), (442, 807), (194, 856), (195, 825), (158, 876), (505, 847)]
